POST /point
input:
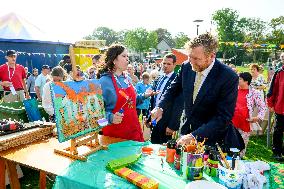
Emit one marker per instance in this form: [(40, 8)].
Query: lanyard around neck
[(125, 78), (9, 74)]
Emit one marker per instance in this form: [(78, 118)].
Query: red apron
[(130, 127)]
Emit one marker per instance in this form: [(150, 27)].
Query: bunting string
[(252, 45), (49, 54), (227, 59)]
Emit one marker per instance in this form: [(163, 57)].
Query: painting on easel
[(78, 106)]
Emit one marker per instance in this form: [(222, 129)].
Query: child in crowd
[(142, 87)]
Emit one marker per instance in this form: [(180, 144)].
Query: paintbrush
[(162, 164), (223, 156), (126, 97)]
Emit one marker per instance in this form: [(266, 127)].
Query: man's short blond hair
[(207, 41)]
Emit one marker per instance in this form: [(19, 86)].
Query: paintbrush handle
[(223, 157)]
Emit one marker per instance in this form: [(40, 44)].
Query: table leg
[(13, 175), (42, 180), (2, 174)]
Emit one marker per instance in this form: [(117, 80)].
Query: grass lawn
[(246, 69), (256, 150)]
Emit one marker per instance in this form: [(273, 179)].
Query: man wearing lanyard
[(13, 79), (163, 130)]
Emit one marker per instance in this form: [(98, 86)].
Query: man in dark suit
[(164, 129), (209, 89)]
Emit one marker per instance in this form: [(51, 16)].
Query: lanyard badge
[(9, 74)]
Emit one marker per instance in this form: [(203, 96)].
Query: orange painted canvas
[(78, 105)]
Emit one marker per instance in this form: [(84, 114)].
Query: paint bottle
[(171, 150), (177, 158), (206, 152), (212, 164)]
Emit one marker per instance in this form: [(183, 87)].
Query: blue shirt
[(140, 89), (109, 93)]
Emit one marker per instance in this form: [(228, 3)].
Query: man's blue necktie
[(159, 87), (161, 82)]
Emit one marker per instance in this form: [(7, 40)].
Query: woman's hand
[(117, 118)]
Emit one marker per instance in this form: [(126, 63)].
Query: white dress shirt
[(204, 74)]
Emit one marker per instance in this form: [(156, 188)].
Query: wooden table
[(39, 156)]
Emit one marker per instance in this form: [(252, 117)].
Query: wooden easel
[(82, 146), (85, 145)]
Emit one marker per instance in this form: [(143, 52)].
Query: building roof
[(181, 55)]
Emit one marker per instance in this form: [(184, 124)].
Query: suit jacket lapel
[(191, 85), (209, 81), (169, 82)]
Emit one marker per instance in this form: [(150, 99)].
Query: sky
[(68, 20)]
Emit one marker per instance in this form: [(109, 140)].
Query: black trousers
[(277, 146), (158, 135)]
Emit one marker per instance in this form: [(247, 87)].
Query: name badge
[(12, 89)]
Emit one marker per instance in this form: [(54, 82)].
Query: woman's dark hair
[(246, 76), (110, 55)]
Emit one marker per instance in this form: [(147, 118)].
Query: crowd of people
[(215, 101)]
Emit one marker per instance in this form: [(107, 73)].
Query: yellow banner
[(83, 57)]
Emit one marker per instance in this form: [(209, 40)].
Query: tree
[(180, 40), (121, 36), (229, 28), (254, 29), (164, 34), (103, 33), (277, 25), (228, 25), (141, 40)]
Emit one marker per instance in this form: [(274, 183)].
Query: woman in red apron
[(119, 97)]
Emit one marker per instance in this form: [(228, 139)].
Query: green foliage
[(104, 33), (121, 36), (180, 40), (277, 34), (255, 29), (229, 28), (228, 25), (232, 28), (141, 40)]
